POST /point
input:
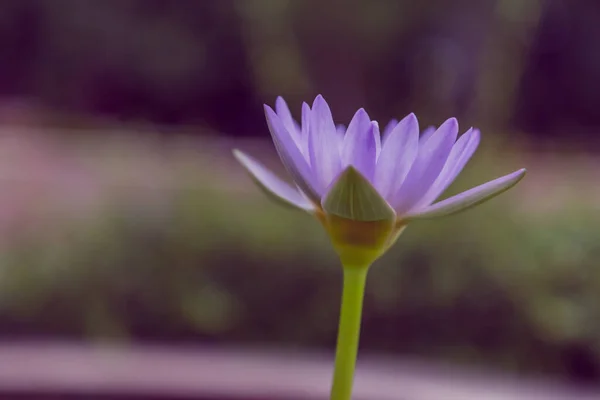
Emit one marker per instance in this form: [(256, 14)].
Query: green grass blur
[(178, 246)]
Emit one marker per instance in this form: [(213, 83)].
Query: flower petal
[(283, 111), (460, 154), (353, 197), (340, 130), (397, 155), (388, 129), (360, 148), (426, 134), (377, 136), (470, 198), (323, 149), (305, 130), (427, 166), (272, 185), (292, 157)]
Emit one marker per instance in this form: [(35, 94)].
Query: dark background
[(527, 66)]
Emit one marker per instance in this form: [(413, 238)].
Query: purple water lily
[(406, 170), (364, 187)]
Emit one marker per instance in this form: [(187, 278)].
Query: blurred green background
[(123, 216)]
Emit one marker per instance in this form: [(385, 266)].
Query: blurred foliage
[(504, 284), (529, 65)]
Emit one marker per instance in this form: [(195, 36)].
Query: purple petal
[(377, 135), (359, 148), (427, 166), (460, 154), (292, 158), (269, 182), (305, 130), (470, 198), (323, 149), (398, 153), (426, 134), (388, 129), (340, 130), (283, 111)]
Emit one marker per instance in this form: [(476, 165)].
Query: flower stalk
[(349, 331), (365, 187)]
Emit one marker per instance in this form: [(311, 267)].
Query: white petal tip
[(237, 153), (241, 157)]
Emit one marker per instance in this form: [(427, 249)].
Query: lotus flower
[(365, 187)]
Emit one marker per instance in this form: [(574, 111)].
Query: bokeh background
[(124, 218)]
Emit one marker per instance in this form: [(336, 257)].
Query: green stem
[(348, 332)]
